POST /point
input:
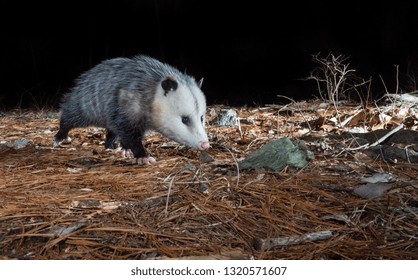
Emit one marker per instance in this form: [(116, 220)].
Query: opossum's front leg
[(134, 144), (112, 143)]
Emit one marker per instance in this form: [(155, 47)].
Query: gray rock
[(19, 143), (278, 154), (226, 117)]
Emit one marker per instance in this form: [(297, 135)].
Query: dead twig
[(271, 243), (380, 140)]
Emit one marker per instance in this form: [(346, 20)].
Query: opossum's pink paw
[(124, 153), (127, 153), (204, 145), (146, 160)]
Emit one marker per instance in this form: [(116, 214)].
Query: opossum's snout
[(204, 145), (185, 131), (192, 132)]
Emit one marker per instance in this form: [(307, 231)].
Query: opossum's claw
[(127, 153), (124, 153), (146, 160)]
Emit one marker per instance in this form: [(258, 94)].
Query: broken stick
[(271, 243)]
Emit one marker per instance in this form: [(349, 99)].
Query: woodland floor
[(79, 201)]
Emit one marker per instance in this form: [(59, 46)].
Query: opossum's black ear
[(169, 84), (200, 83)]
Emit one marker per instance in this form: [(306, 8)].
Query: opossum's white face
[(179, 113)]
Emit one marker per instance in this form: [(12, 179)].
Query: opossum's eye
[(201, 119), (185, 120)]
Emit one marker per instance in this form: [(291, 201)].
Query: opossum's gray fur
[(129, 96)]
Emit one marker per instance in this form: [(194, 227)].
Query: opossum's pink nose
[(203, 145)]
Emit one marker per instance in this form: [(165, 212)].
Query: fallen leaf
[(379, 178), (370, 191)]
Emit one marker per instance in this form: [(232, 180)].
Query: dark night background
[(247, 52)]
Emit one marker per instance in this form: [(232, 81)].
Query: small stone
[(227, 117)]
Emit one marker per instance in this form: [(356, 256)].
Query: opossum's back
[(95, 94)]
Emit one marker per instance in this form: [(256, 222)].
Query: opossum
[(130, 96)]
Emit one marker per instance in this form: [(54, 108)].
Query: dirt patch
[(82, 202)]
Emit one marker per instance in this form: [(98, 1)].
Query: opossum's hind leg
[(111, 140), (62, 134), (70, 118)]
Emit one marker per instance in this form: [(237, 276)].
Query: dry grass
[(82, 202)]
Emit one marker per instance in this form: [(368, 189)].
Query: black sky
[(246, 52)]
